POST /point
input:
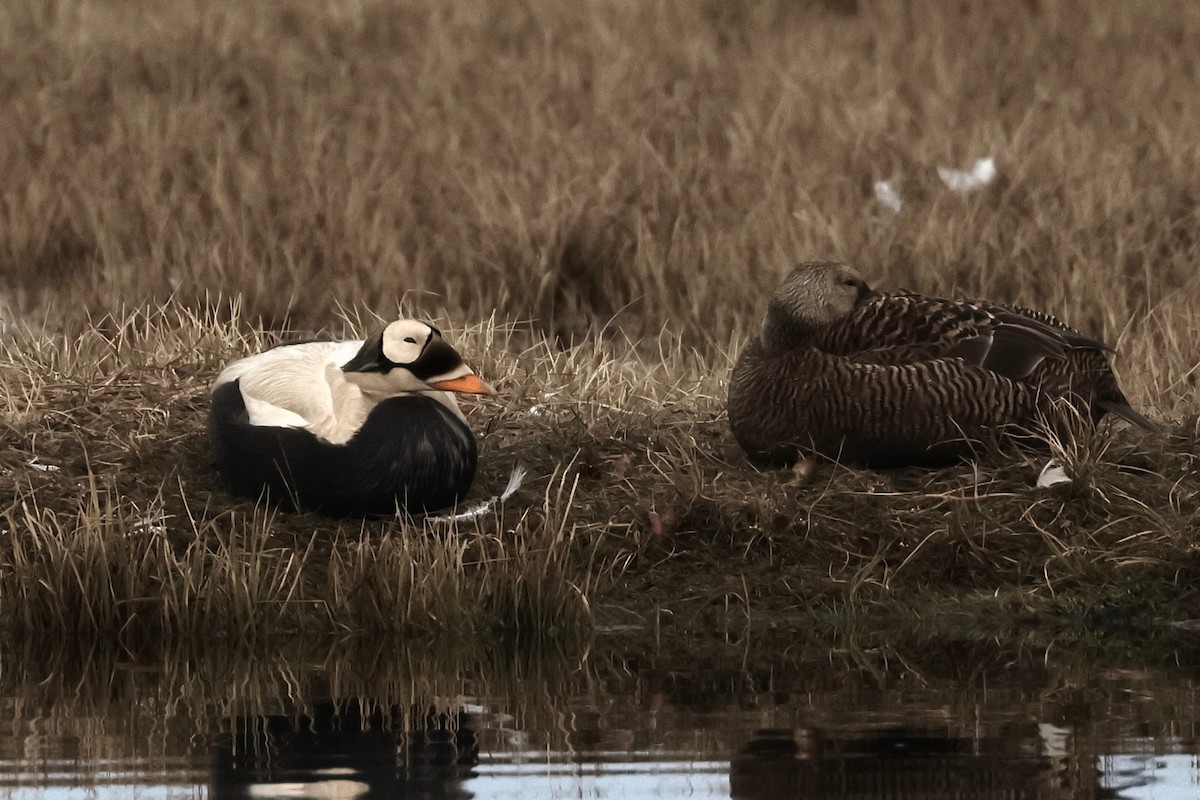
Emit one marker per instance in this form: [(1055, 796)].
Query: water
[(934, 721)]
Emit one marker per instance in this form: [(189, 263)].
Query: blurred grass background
[(640, 166)]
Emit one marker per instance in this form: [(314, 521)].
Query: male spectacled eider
[(348, 428), (884, 379)]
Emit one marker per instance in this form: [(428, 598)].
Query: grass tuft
[(111, 569)]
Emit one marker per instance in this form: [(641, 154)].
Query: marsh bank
[(638, 509)]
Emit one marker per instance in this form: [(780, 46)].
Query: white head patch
[(404, 339)]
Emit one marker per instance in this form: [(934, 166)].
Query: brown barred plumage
[(897, 378)]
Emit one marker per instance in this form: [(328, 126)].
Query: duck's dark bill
[(467, 384)]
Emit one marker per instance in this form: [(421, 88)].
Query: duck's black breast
[(411, 452)]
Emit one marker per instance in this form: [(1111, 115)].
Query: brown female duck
[(897, 378)]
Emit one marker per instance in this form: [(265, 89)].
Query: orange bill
[(466, 384)]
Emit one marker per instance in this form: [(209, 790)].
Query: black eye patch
[(438, 358)]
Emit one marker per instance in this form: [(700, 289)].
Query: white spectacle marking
[(404, 340)]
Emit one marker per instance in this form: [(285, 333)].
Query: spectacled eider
[(348, 428)]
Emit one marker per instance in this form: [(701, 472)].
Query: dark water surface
[(929, 721)]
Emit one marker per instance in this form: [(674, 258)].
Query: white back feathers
[(329, 388)]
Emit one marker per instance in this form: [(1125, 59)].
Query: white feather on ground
[(888, 197), (1052, 474), (479, 509), (981, 174)]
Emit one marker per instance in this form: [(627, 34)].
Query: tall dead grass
[(187, 182), (637, 503), (114, 523)]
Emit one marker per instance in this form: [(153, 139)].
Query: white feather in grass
[(981, 174), (1052, 475), (479, 509), (888, 197)]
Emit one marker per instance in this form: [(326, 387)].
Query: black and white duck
[(885, 379), (348, 428)]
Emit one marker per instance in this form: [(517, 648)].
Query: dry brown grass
[(632, 178), (638, 510)]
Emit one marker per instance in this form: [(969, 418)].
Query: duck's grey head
[(813, 296), (411, 356)]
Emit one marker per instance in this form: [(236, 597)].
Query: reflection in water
[(337, 750), (1161, 776), (971, 724), (890, 762)]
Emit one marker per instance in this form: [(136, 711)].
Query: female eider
[(348, 428), (896, 378)]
